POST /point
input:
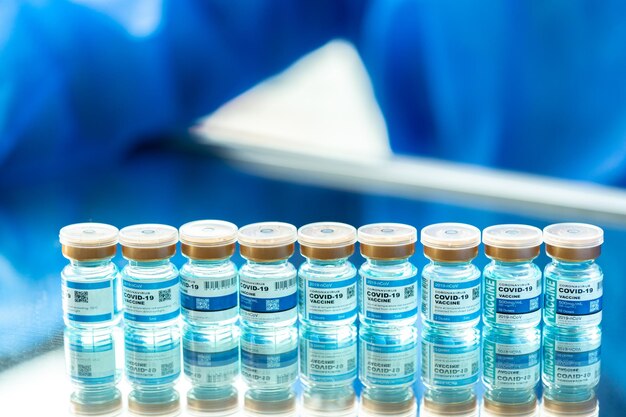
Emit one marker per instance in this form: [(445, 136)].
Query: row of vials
[(267, 292)]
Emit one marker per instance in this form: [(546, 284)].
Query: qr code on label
[(84, 370), (594, 306), (272, 305), (273, 361), (202, 304), (475, 293), (350, 292), (534, 304), (351, 364), (167, 368), (165, 295), (409, 291), (409, 368), (81, 296), (474, 367)]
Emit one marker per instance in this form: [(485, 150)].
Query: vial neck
[(320, 262), (279, 262), (208, 262), (387, 262), (456, 264), (149, 264), (499, 262), (91, 264), (573, 264)]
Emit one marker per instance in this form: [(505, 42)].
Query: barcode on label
[(283, 285), (474, 367), (84, 370), (599, 286), (475, 293), (167, 368), (351, 364), (409, 291), (409, 368), (350, 292), (282, 379), (81, 296), (220, 284), (165, 295)]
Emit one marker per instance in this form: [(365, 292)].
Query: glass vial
[(573, 281), (450, 282), (89, 282), (208, 281), (327, 280), (150, 281), (512, 287), (388, 283)]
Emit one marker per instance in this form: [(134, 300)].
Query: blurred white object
[(318, 123)]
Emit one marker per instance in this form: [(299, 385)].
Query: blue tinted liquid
[(571, 362), (451, 294), (151, 294), (388, 293), (573, 294), (511, 364), (268, 294), (90, 294), (450, 364), (152, 364), (512, 294), (327, 292), (209, 292)]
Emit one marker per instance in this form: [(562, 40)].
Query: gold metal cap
[(387, 240), (327, 240), (497, 408), (267, 241), (208, 239), (146, 242), (512, 242), (450, 242), (88, 241), (573, 241), (577, 408)]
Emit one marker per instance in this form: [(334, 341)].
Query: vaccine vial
[(573, 281), (450, 282), (211, 363), (327, 280), (269, 367), (388, 283), (89, 282), (150, 281), (267, 282), (571, 363), (152, 364), (328, 368), (94, 367), (512, 282), (450, 364), (208, 281), (511, 367)]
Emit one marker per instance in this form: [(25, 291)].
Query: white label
[(517, 366), (153, 365), (329, 365), (450, 366), (513, 302), (210, 299), (450, 302), (577, 363), (91, 365), (88, 302), (268, 300), (388, 300), (579, 303), (329, 300), (204, 365), (151, 301), (389, 365)]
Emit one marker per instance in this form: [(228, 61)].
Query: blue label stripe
[(391, 316), (528, 305), (332, 317), (517, 361), (150, 285), (151, 381), (456, 382), (275, 361), (456, 319), (579, 308), (391, 283), (329, 285), (91, 349), (577, 359), (390, 349), (151, 318), (268, 305), (171, 347), (88, 285), (456, 285), (89, 319), (220, 303), (393, 381), (333, 378), (456, 350), (95, 380), (210, 359)]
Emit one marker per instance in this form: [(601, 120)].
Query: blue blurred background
[(415, 111)]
